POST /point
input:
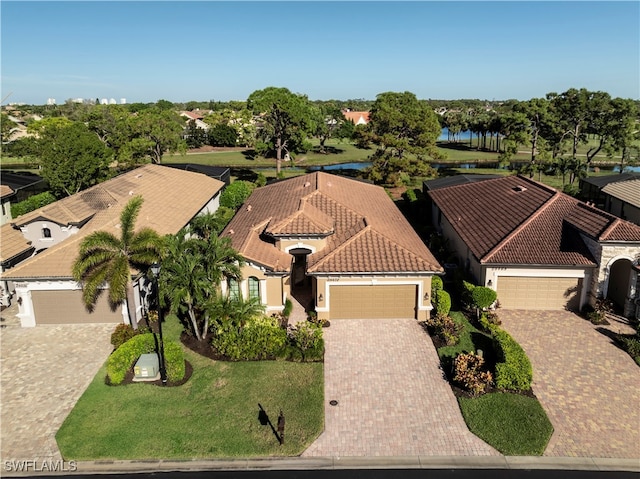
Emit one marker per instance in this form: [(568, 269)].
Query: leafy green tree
[(222, 135), (32, 203), (328, 123), (537, 111), (194, 135), (105, 259), (154, 132), (287, 118), (72, 158), (236, 194), (404, 131)]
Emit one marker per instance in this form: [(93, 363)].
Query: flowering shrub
[(445, 328)]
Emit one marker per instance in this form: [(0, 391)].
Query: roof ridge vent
[(307, 184), (519, 188)]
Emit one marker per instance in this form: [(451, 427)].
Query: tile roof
[(365, 232), (5, 191), (627, 191), (602, 181), (12, 243), (454, 180), (356, 116), (516, 220), (171, 199)]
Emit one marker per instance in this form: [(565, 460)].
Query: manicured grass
[(213, 415), (515, 425)]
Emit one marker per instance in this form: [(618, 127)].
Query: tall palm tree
[(107, 259)]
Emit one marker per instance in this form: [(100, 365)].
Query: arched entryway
[(619, 287), (301, 283)]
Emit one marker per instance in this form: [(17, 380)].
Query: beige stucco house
[(338, 245), (537, 247), (39, 248)]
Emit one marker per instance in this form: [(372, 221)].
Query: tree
[(192, 274), (405, 133), (154, 132), (328, 123), (287, 119), (194, 135), (539, 116), (106, 259), (236, 193), (222, 135), (72, 157)]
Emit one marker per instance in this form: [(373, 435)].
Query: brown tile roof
[(355, 116), (5, 191), (515, 220), (12, 243), (366, 232), (171, 199)]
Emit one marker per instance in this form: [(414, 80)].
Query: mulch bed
[(203, 348), (128, 379)]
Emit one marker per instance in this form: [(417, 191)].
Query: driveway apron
[(589, 388), (45, 370), (392, 399)]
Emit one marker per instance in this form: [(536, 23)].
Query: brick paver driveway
[(392, 398), (589, 388), (44, 371)]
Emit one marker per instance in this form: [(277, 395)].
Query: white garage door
[(518, 292), (375, 302)]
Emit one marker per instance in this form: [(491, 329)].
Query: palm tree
[(107, 259)]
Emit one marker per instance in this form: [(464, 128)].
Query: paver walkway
[(44, 371), (589, 388), (392, 397)]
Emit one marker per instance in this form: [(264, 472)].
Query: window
[(254, 287), (46, 233), (234, 289)]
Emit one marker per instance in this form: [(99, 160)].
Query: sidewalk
[(336, 463)]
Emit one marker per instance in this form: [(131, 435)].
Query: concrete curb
[(332, 463)]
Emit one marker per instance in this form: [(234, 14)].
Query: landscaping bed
[(512, 421)]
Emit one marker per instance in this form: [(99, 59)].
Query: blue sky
[(181, 51)]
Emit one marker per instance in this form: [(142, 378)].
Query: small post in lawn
[(281, 427)]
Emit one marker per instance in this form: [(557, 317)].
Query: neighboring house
[(43, 284), (357, 117), (338, 245), (6, 194), (218, 172), (537, 247), (197, 118), (616, 194)]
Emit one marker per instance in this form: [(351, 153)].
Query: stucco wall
[(314, 244), (33, 232)]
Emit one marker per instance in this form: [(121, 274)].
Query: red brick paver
[(589, 388), (392, 398)]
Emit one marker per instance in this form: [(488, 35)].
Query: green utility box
[(147, 367)]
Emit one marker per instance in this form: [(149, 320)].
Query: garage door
[(64, 307), (361, 302), (539, 293)]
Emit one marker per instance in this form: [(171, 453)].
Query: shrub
[(236, 193), (259, 338), (469, 374), (513, 368), (489, 320), (410, 196), (631, 345), (261, 180), (436, 285), (123, 358), (442, 302), (483, 297), (122, 334), (305, 342), (445, 328), (466, 294), (288, 307), (32, 203)]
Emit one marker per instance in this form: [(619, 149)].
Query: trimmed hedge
[(442, 302), (124, 357), (483, 297), (513, 368), (436, 285)]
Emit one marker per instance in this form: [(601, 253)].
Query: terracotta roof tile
[(171, 199), (515, 220), (369, 234)]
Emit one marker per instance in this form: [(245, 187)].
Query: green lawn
[(515, 425), (213, 415)]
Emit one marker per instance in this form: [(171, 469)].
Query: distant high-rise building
[(51, 101), (123, 101), (104, 101)]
